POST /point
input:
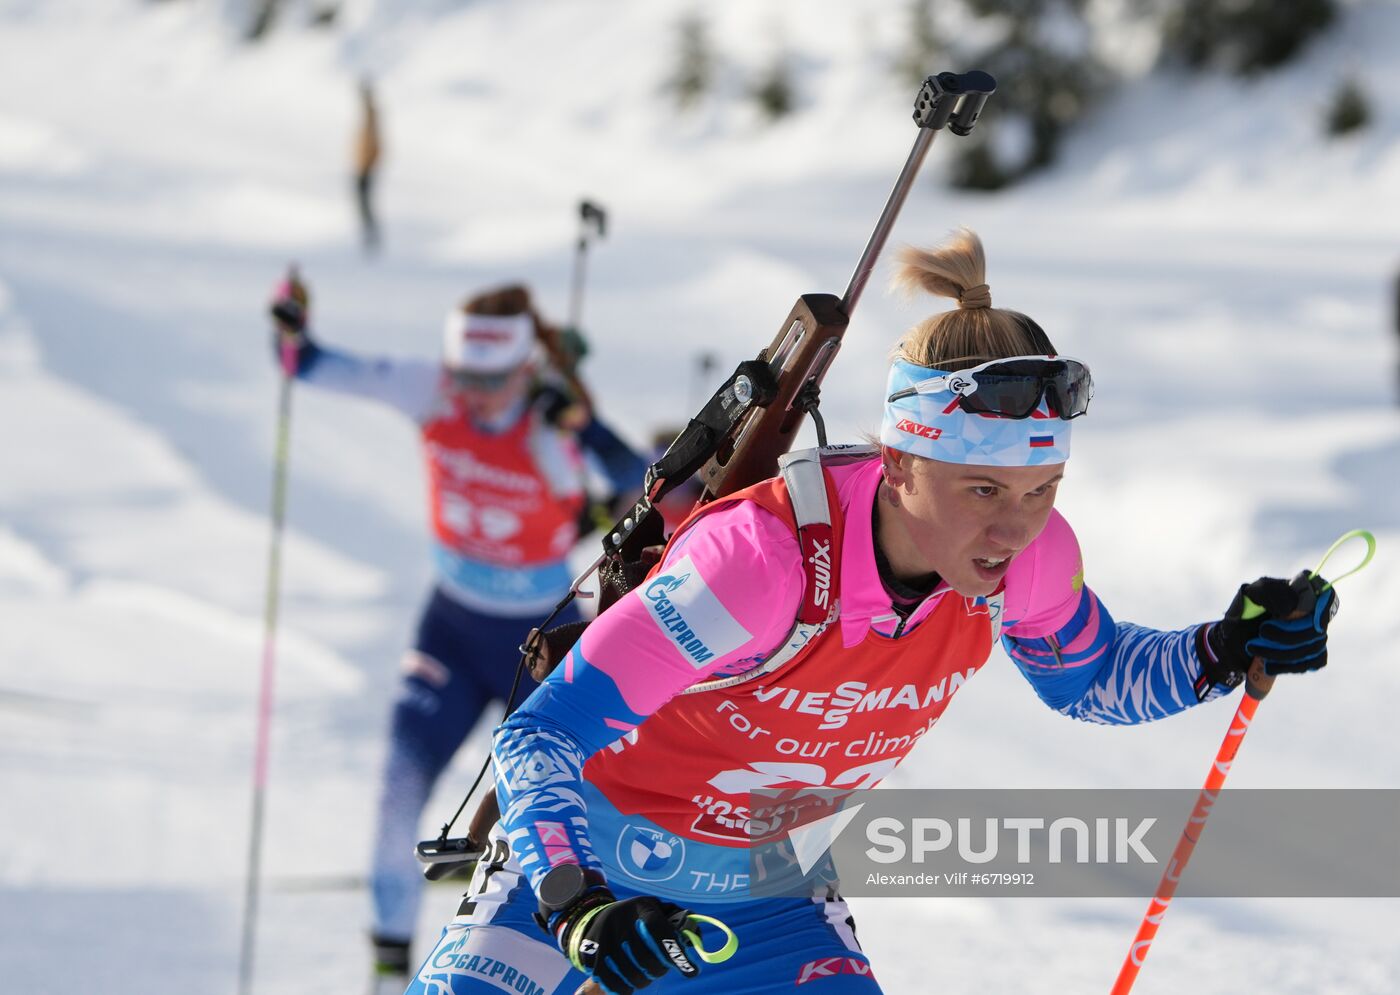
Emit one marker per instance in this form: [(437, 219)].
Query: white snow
[(1226, 271)]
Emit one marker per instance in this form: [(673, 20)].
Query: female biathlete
[(624, 799), (507, 496)]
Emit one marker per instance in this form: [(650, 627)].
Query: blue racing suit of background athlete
[(466, 646)]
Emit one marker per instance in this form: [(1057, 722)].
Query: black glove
[(560, 407), (288, 315), (625, 945), (1286, 645), (288, 309), (290, 303)]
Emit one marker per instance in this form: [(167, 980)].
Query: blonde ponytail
[(973, 333)]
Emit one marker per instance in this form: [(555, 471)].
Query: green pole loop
[(1253, 610), (1361, 534), (719, 956)]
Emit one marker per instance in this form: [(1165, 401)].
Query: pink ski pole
[(287, 353)]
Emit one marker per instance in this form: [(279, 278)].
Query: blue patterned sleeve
[(539, 753), (696, 617), (1116, 673)]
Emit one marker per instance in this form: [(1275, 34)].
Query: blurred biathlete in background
[(508, 499), (367, 151), (625, 798)]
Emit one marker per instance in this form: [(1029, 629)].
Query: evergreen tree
[(1047, 79), (1350, 109), (774, 91), (695, 63), (1240, 36)]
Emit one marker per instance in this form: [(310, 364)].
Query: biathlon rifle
[(754, 416), (736, 438)]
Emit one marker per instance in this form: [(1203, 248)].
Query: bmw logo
[(649, 854)]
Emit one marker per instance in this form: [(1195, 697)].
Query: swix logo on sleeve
[(690, 615), (914, 428), (816, 540)]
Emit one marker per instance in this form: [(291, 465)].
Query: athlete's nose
[(1010, 533)]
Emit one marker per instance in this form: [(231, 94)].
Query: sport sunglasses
[(1014, 387), (488, 382)]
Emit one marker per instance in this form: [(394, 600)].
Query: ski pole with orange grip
[(1257, 684)]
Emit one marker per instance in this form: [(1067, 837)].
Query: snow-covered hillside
[(1227, 273)]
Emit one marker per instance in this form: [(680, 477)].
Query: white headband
[(487, 343), (933, 425)]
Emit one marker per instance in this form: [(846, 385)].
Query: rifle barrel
[(881, 234)]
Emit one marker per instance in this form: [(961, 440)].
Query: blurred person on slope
[(507, 500), (625, 797), (367, 150)]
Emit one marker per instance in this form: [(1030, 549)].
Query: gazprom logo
[(664, 585), (665, 611), (689, 614)]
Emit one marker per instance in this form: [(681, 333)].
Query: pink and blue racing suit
[(608, 764)]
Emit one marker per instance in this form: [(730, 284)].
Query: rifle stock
[(799, 356)]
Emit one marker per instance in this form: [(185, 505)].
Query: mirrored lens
[(1070, 391), (1008, 396), (1069, 398), (1013, 389)]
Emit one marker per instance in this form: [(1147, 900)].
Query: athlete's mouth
[(990, 564)]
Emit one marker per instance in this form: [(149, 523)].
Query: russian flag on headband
[(1042, 441)]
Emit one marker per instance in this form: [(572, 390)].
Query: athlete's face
[(965, 522), (487, 398)]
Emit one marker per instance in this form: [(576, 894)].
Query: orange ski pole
[(1257, 685)]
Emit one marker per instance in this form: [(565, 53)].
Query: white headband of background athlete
[(487, 343), (934, 426)]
